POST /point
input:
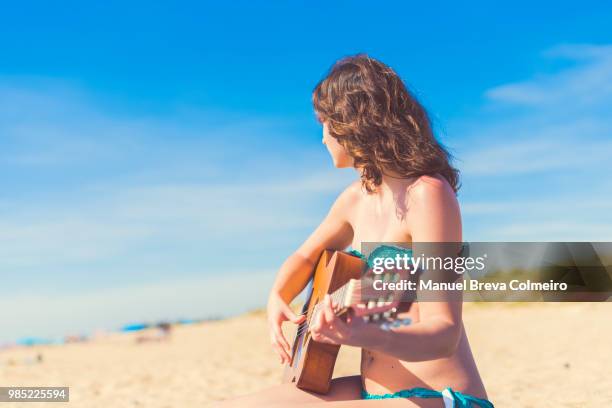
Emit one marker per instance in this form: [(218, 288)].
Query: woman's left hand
[(326, 327)]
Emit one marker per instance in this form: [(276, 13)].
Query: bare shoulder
[(345, 205), (350, 196), (433, 211), (429, 191)]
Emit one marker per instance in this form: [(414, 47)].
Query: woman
[(407, 193)]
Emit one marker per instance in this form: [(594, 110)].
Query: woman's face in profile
[(338, 153)]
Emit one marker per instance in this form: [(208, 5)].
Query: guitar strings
[(304, 326), (338, 297)]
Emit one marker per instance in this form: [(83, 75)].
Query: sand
[(529, 355)]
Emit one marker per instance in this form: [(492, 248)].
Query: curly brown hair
[(372, 114)]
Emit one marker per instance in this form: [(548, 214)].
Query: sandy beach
[(530, 355)]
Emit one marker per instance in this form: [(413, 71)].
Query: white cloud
[(553, 217), (540, 149), (561, 230), (50, 124), (556, 204), (116, 221), (588, 83)]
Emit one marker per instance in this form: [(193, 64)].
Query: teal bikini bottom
[(452, 399)]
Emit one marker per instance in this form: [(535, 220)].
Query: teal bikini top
[(382, 251)]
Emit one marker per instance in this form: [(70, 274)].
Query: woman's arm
[(335, 232), (433, 217)]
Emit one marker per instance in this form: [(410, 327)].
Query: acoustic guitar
[(344, 276)]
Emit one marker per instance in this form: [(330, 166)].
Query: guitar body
[(312, 363)]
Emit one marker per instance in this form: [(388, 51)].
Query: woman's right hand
[(278, 312)]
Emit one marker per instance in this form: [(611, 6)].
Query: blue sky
[(160, 161)]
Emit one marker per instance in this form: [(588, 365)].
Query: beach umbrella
[(134, 327), (33, 341)]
